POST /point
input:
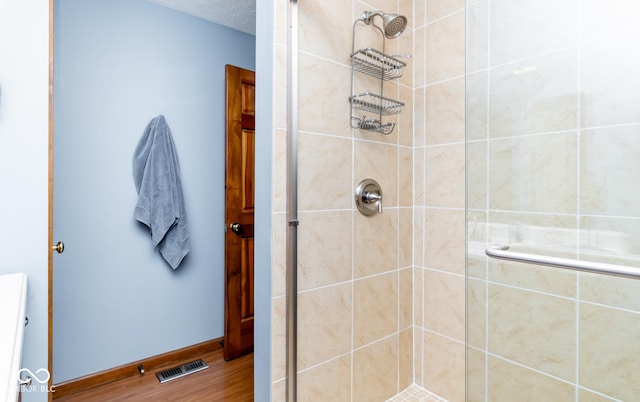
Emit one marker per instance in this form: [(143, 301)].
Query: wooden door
[(240, 139)]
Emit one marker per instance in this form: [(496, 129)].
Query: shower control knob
[(368, 197)]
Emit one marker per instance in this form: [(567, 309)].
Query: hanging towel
[(160, 206)]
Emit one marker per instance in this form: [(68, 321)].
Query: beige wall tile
[(419, 113), (323, 28), (420, 13), (476, 375), (389, 6), (419, 176), (477, 236), (511, 382), (405, 124), (514, 22), (375, 245), (535, 174), (405, 7), (323, 87), (533, 329), (418, 297), (476, 313), (280, 88), (281, 10), (444, 304), (418, 237), (418, 359), (446, 112), (375, 371), (586, 396), (477, 50), (405, 184), (330, 381), (445, 181), (278, 338), (538, 95), (405, 233), (610, 291), (279, 391), (279, 185), (279, 255), (444, 367), (405, 47), (477, 113), (406, 298), (445, 239), (419, 59), (324, 320), (608, 158), (375, 308), (405, 369), (476, 189), (439, 8), (379, 162), (552, 280), (324, 248), (445, 48), (614, 21), (610, 239), (608, 351), (607, 101), (324, 172)]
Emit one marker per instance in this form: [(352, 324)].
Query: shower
[(393, 24)]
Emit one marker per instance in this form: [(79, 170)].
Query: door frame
[(50, 210)]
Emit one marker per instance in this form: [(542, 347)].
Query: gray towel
[(160, 206)]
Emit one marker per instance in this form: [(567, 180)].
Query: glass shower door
[(553, 144)]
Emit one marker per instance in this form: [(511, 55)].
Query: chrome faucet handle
[(368, 197), (373, 197)]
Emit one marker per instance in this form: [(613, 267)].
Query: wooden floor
[(222, 381)]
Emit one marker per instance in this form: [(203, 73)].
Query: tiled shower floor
[(416, 394)]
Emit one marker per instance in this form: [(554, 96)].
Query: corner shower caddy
[(376, 64)]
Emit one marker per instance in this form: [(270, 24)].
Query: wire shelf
[(376, 104), (377, 64), (374, 125)]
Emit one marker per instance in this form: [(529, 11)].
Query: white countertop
[(13, 298)]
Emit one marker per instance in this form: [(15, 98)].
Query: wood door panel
[(248, 170), (239, 209), (246, 280)]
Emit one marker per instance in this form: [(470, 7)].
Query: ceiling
[(236, 14)]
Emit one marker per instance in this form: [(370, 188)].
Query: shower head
[(393, 24)]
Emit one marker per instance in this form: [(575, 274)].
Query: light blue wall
[(118, 64)]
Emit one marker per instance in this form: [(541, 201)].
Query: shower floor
[(415, 393)]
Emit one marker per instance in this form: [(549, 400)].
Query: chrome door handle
[(59, 247), (236, 227)]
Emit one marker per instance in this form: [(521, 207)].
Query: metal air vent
[(181, 371)]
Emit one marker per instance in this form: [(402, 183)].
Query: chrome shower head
[(393, 24)]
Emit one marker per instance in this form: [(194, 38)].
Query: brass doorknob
[(59, 247), (236, 227)]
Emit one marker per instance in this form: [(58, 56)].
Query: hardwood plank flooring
[(222, 381)]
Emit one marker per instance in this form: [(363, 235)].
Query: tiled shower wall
[(554, 141), (381, 301), (355, 320), (439, 126)]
